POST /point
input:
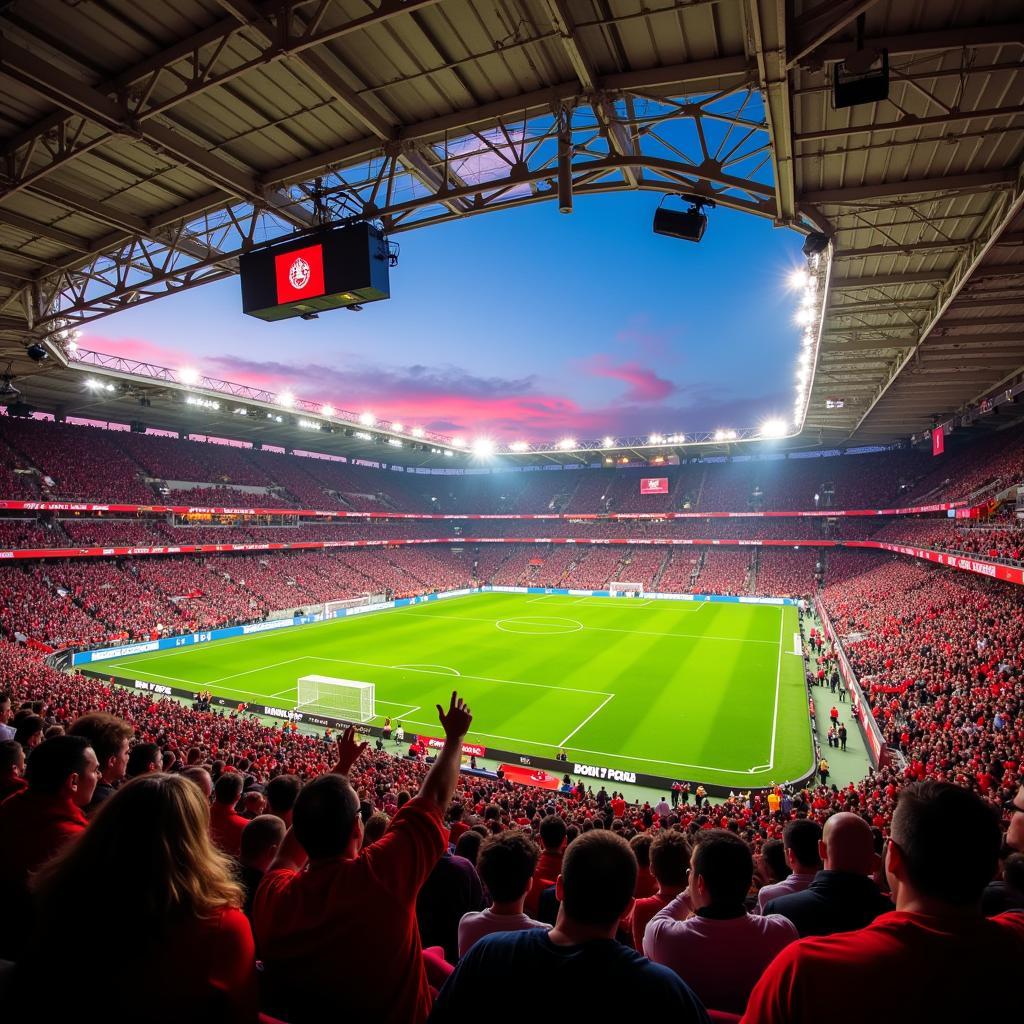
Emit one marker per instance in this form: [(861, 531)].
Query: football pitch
[(702, 691)]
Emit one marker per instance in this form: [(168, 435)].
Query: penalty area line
[(587, 719)]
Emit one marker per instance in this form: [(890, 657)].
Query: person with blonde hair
[(144, 890)]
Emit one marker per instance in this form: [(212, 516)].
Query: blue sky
[(525, 323)]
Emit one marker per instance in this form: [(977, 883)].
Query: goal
[(616, 589), (330, 607), (348, 699)]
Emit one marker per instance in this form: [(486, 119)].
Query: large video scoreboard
[(328, 268)]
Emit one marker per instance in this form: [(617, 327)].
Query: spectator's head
[(848, 845), (596, 884), (228, 788), (468, 845), (144, 758), (65, 766), (254, 803), (552, 832), (670, 859), (260, 841), (201, 777), (5, 708), (12, 760), (326, 818), (641, 846), (927, 871), (1013, 872), (374, 827), (29, 731), (801, 839), (1015, 831), (773, 857), (506, 865), (721, 870), (281, 793), (109, 737), (150, 840)]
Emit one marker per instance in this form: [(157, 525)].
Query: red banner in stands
[(468, 749), (654, 485), (1007, 573), (181, 510), (938, 441)]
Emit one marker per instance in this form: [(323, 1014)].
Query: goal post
[(618, 589), (349, 699), (331, 607)]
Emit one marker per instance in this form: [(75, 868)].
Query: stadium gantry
[(146, 149)]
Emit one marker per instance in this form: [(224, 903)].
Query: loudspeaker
[(688, 225), (853, 84)]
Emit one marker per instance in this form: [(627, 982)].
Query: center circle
[(539, 625)]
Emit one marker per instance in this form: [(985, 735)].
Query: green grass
[(694, 690)]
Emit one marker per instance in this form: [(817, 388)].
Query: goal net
[(348, 699), (330, 607), (617, 589)]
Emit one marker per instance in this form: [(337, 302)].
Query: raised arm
[(439, 785)]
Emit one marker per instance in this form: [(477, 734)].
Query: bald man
[(842, 896)]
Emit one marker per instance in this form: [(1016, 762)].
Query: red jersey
[(343, 932), (226, 828), (918, 968)]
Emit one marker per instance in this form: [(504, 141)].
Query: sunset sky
[(523, 324)]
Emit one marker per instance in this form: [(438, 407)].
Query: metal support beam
[(907, 123), (981, 182), (959, 38), (887, 280), (767, 23)]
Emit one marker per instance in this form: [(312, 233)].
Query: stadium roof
[(145, 146)]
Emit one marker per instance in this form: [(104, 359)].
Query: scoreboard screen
[(328, 268)]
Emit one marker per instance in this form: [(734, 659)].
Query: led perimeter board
[(327, 268)]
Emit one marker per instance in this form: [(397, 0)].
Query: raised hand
[(457, 719), (348, 751)]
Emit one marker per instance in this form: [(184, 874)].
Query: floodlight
[(798, 279), (518, 446), (416, 431), (774, 428), (566, 443), (286, 398), (609, 442), (483, 447), (188, 375), (655, 439), (804, 316), (367, 419), (328, 410), (396, 427), (93, 385), (459, 442)]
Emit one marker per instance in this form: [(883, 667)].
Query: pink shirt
[(476, 924), (721, 960), (794, 883)]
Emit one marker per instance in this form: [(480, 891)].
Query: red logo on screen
[(299, 274), (654, 485)]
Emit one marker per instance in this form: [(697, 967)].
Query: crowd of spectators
[(787, 572), (89, 463), (724, 571)]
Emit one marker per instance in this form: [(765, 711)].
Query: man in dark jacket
[(842, 897)]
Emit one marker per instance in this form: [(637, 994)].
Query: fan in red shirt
[(935, 957), (343, 926), (38, 821), (549, 865), (142, 892), (226, 826)]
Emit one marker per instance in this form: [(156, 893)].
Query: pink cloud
[(644, 384)]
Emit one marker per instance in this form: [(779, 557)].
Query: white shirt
[(476, 924), (663, 809)]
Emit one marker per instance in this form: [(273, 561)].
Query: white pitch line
[(249, 672), (778, 677), (427, 671), (587, 719), (632, 632)]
